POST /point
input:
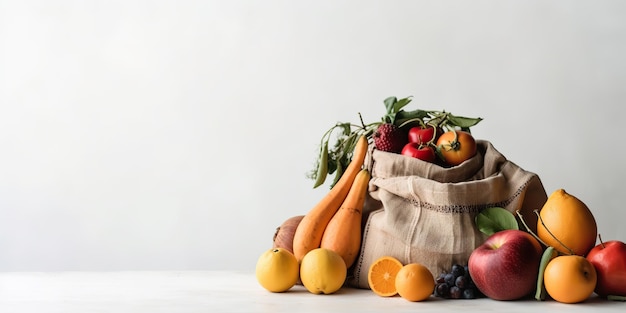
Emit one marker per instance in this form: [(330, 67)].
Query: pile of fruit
[(439, 137), (561, 260)]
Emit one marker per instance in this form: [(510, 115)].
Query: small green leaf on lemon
[(495, 219)]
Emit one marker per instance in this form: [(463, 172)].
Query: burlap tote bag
[(422, 212)]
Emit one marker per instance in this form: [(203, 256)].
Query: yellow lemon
[(322, 271), (569, 220), (277, 270)]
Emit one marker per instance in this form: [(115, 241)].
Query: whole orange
[(415, 282), (569, 220), (570, 278)]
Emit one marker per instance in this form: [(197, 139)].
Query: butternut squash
[(343, 232), (309, 232)]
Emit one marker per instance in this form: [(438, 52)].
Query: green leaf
[(616, 298), (404, 116), (548, 254), (400, 104), (463, 122), (495, 219), (389, 103)]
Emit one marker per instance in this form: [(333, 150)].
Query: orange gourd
[(308, 235), (343, 232)]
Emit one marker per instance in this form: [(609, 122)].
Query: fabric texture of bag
[(425, 213)]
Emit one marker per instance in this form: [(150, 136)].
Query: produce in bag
[(423, 210)]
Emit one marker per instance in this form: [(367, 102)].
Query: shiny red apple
[(506, 265), (609, 259)]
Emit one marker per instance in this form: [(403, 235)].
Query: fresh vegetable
[(456, 146), (343, 232), (338, 143), (424, 135), (309, 233), (419, 151), (283, 237)]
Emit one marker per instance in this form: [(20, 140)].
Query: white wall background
[(177, 134)]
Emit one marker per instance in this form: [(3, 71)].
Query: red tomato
[(421, 135), (456, 146), (424, 135), (418, 151)]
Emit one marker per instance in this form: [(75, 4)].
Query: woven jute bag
[(419, 212)]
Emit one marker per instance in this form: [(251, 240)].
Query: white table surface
[(224, 291)]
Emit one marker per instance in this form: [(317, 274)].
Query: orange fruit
[(381, 276), (323, 271), (570, 278), (569, 220), (277, 270), (415, 282)]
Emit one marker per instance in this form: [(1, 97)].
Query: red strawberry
[(390, 138)]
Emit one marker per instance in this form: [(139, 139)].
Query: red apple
[(609, 259), (415, 150), (506, 265)]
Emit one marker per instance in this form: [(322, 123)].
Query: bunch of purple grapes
[(456, 284)]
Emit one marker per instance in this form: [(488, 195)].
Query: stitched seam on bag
[(458, 208), (359, 266), (410, 235)]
